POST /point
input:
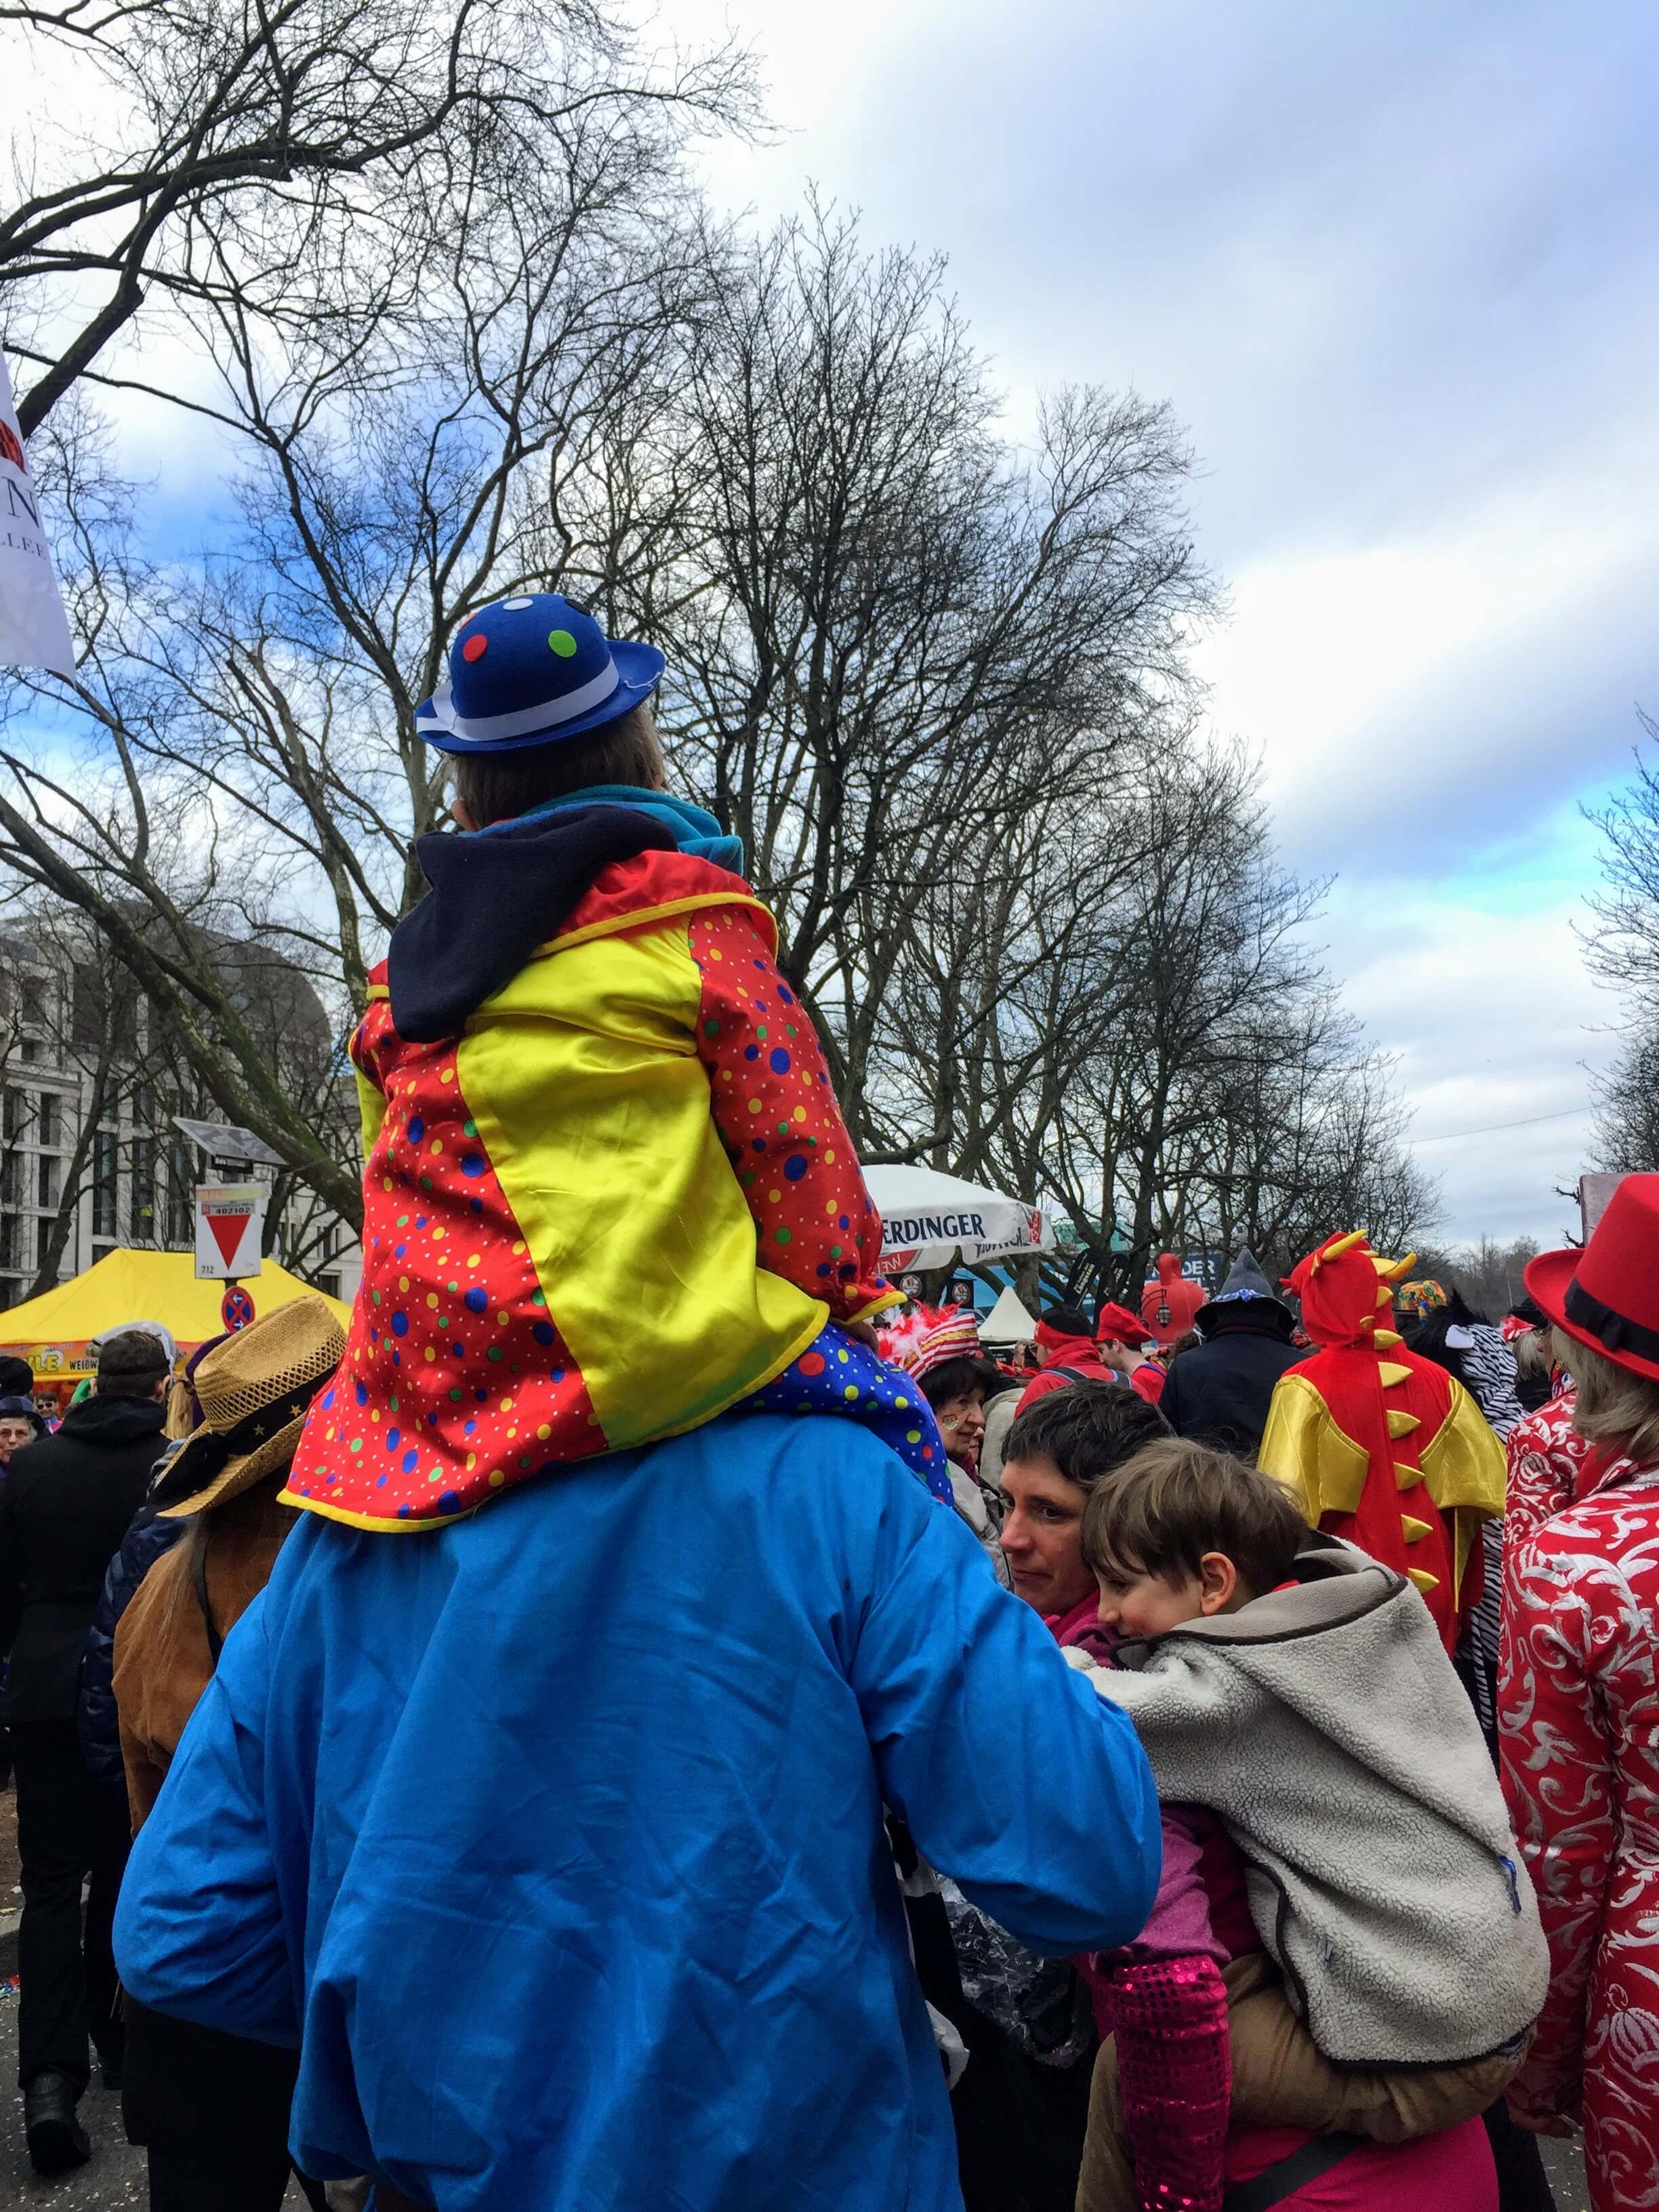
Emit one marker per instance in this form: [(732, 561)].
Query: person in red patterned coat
[(1578, 1707), (1546, 1458)]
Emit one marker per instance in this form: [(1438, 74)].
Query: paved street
[(116, 2176)]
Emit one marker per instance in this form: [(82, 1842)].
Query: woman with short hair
[(957, 1380)]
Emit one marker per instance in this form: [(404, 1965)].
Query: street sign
[(230, 1229), (235, 1307), (224, 1141)]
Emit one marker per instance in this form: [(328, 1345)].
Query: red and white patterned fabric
[(1548, 1458), (1578, 1714)]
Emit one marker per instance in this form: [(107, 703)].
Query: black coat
[(66, 1503), (1218, 1393)]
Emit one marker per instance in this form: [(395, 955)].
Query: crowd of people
[(597, 1732)]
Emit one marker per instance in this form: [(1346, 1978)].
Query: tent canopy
[(54, 1331), (928, 1218), (1008, 1321)]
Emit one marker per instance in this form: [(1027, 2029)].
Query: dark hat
[(1606, 1295), (1245, 1285), (1064, 1321), (16, 1377), (530, 669)]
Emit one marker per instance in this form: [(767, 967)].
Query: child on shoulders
[(608, 1192), (1345, 1960)]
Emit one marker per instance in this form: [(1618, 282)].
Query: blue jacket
[(560, 1830)]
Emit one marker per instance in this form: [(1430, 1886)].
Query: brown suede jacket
[(162, 1658)]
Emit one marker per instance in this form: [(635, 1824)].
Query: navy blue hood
[(494, 897)]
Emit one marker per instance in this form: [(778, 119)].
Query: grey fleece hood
[(1324, 1724)]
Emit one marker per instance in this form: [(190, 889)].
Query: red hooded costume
[(1379, 1446)]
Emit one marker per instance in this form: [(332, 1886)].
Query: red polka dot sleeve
[(815, 1224)]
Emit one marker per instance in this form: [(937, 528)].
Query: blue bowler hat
[(530, 669)]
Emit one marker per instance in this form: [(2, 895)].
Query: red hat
[(1606, 1295), (1117, 1320)]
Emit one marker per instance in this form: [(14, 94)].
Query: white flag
[(34, 631)]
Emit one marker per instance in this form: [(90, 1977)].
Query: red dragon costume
[(1379, 1446)]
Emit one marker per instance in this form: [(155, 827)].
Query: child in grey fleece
[(1298, 1690)]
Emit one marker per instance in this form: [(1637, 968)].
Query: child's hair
[(1087, 1429), (1175, 1501), (497, 787)]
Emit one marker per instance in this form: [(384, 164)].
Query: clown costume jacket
[(608, 1191), (1381, 1447)]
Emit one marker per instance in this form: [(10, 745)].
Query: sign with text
[(230, 1229), (34, 631)]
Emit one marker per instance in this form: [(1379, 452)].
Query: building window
[(329, 1286), (104, 1184), (48, 1188), (181, 1200), (14, 1241), (11, 1114), (11, 1179), (52, 1121), (143, 1201)]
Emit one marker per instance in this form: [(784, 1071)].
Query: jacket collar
[(496, 895), (113, 1421)]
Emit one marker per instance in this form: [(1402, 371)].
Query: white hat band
[(523, 720)]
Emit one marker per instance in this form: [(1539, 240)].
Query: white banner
[(230, 1229), (926, 1219), (34, 631)]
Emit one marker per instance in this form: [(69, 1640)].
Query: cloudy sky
[(1395, 266)]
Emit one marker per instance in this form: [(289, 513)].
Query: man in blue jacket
[(554, 1837)]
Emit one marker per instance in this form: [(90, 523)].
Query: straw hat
[(256, 1389)]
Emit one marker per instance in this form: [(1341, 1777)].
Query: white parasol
[(928, 1218)]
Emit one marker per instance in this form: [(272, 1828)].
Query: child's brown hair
[(1161, 1512), (499, 787)]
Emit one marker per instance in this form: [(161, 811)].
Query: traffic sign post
[(230, 1229)]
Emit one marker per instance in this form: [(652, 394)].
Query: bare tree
[(1623, 945), (248, 766), (890, 632), (1627, 1105), (1488, 1274), (255, 151)]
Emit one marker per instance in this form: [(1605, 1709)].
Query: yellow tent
[(54, 1332)]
